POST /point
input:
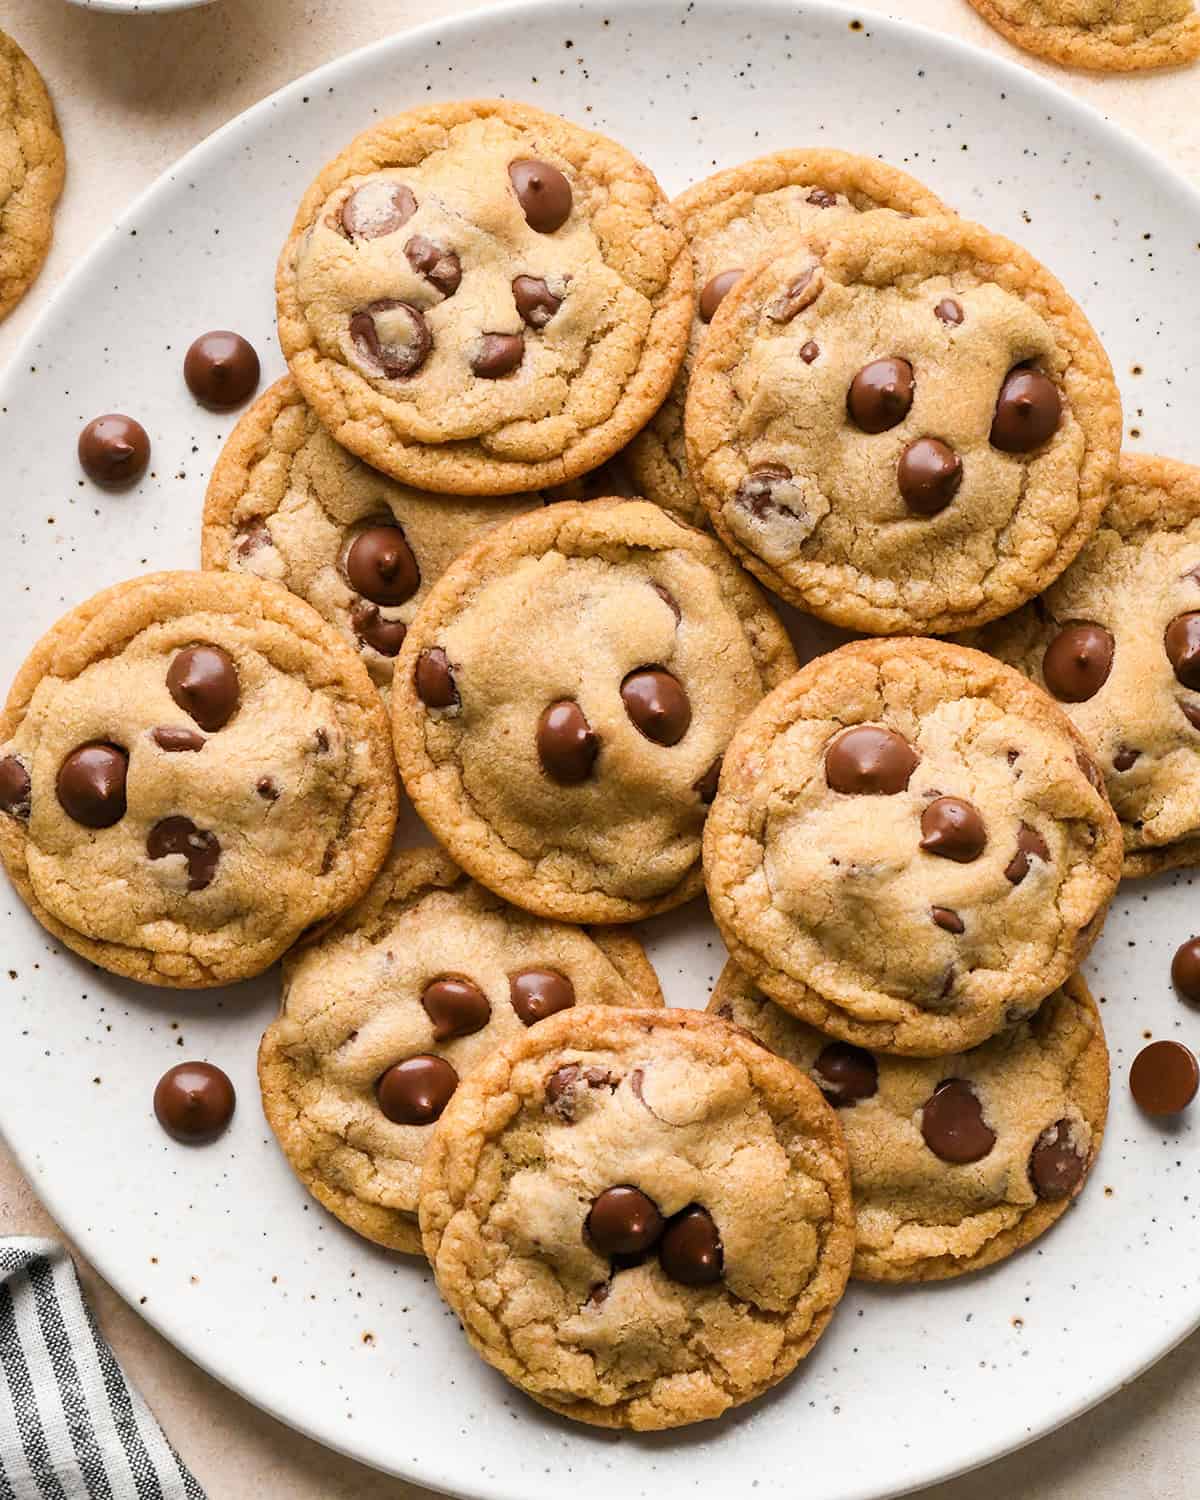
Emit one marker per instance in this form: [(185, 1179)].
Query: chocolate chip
[(178, 835), (455, 1006), (623, 1221), (1029, 842), (705, 786), (867, 760), (1191, 712), (566, 744), (1185, 970), (204, 682), (91, 784), (949, 311), (1164, 1077), (384, 636), (173, 739), (952, 1123), (321, 738), (822, 198), (1055, 1166), (846, 1074), (15, 788), (441, 268), (221, 369), (391, 337), (1028, 411), (543, 193), (1125, 758), (758, 492), (536, 303), (953, 829), (1091, 770), (252, 539), (810, 352), (381, 567), (563, 1084), (929, 475), (417, 1090), (947, 920), (538, 993), (669, 599), (267, 788), (378, 207), (434, 680), (1182, 643), (497, 354), (690, 1251), (1077, 662), (657, 704), (194, 1102), (114, 450), (881, 394), (795, 297), (715, 291)]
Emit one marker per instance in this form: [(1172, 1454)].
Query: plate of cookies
[(599, 778)]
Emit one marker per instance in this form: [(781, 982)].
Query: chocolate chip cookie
[(563, 699), (194, 769), (903, 424), (32, 168), (426, 976), (1117, 642), (955, 1162), (732, 221), (1115, 36), (910, 848), (480, 298), (286, 502), (640, 1218)]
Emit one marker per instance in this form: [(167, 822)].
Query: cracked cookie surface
[(564, 696), (480, 297), (1117, 642), (32, 168), (902, 424), (908, 848), (946, 1178), (427, 965), (1117, 36), (732, 220), (641, 1219), (194, 768)]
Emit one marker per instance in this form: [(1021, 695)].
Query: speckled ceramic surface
[(219, 1246)]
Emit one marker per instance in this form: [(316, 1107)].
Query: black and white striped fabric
[(71, 1425)]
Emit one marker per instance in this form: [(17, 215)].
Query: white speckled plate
[(137, 7), (219, 1247)]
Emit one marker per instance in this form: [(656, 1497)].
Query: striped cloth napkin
[(71, 1425)]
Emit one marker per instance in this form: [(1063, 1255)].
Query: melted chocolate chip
[(567, 746), (705, 786), (221, 369), (1191, 712), (623, 1221), (563, 1084), (690, 1251), (1028, 411), (252, 539), (1077, 662), (384, 636), (715, 291), (434, 680), (538, 993), (1029, 842), (949, 311), (174, 739), (880, 395), (953, 1126), (929, 475), (194, 1102), (810, 352), (114, 450), (378, 207), (204, 682), (15, 788), (455, 1006), (381, 567), (1185, 970), (867, 760), (657, 704), (795, 297), (543, 193), (947, 920), (441, 268), (267, 788), (669, 599), (417, 1090), (822, 198), (178, 835), (1164, 1078), (1182, 643), (846, 1074), (1125, 758), (391, 338), (91, 784), (758, 492), (497, 355), (953, 829), (1055, 1166), (536, 303)]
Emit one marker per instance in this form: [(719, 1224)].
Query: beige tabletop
[(135, 92)]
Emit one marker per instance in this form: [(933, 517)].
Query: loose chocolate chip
[(929, 475), (391, 337), (384, 636), (952, 1123), (441, 268), (417, 1090), (536, 303), (538, 993), (194, 1102), (715, 291), (1055, 1166), (1028, 411), (1185, 970), (623, 1221), (381, 567), (91, 784), (822, 198), (1077, 662), (1182, 643), (1125, 758), (221, 369), (543, 193), (267, 788), (953, 829), (846, 1074), (1164, 1077), (758, 492), (204, 682), (567, 746), (173, 739), (15, 788), (691, 1250), (455, 1006), (705, 786), (178, 835), (949, 311), (795, 297), (497, 354), (434, 680), (810, 352), (114, 450), (880, 394), (947, 920), (867, 760), (1029, 842), (378, 207), (657, 704)]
